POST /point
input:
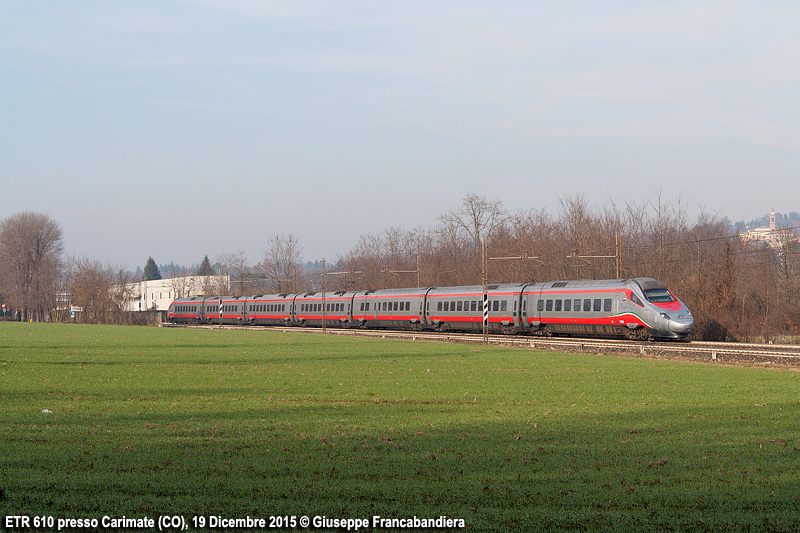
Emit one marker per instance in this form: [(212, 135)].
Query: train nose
[(681, 325)]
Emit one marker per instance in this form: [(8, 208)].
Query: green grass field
[(163, 421)]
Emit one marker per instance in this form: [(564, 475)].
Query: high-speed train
[(638, 308)]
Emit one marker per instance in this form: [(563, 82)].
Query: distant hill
[(781, 221)]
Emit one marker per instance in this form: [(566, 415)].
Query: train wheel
[(640, 334)]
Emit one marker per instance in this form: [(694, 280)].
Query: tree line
[(736, 289)]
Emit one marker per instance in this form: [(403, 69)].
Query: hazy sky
[(176, 129)]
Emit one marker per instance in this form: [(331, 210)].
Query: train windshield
[(659, 296)]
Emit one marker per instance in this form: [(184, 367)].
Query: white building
[(158, 294), (773, 236)]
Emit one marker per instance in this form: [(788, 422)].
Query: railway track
[(741, 354)]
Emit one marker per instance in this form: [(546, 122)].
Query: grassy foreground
[(151, 422)]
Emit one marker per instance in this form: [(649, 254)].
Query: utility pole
[(485, 276), (322, 286), (617, 256), (417, 271)]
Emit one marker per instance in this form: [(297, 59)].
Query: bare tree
[(281, 262), (477, 216), (234, 265), (101, 290), (30, 255), (181, 281)]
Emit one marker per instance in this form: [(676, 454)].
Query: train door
[(624, 308), (520, 310), (424, 311)]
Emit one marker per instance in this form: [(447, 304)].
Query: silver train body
[(639, 308)]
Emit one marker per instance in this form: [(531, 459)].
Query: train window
[(587, 305), (495, 305), (549, 306), (438, 306), (395, 306), (558, 305), (597, 305), (503, 305), (659, 296), (460, 305), (524, 306), (362, 306), (408, 306), (452, 306), (540, 305), (607, 305), (567, 305), (367, 306), (447, 306), (473, 305)]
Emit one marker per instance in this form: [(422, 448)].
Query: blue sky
[(176, 129)]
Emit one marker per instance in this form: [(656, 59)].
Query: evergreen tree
[(151, 271), (205, 268)]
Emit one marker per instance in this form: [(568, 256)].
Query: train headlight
[(665, 315)]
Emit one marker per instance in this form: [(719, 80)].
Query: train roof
[(644, 283)]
